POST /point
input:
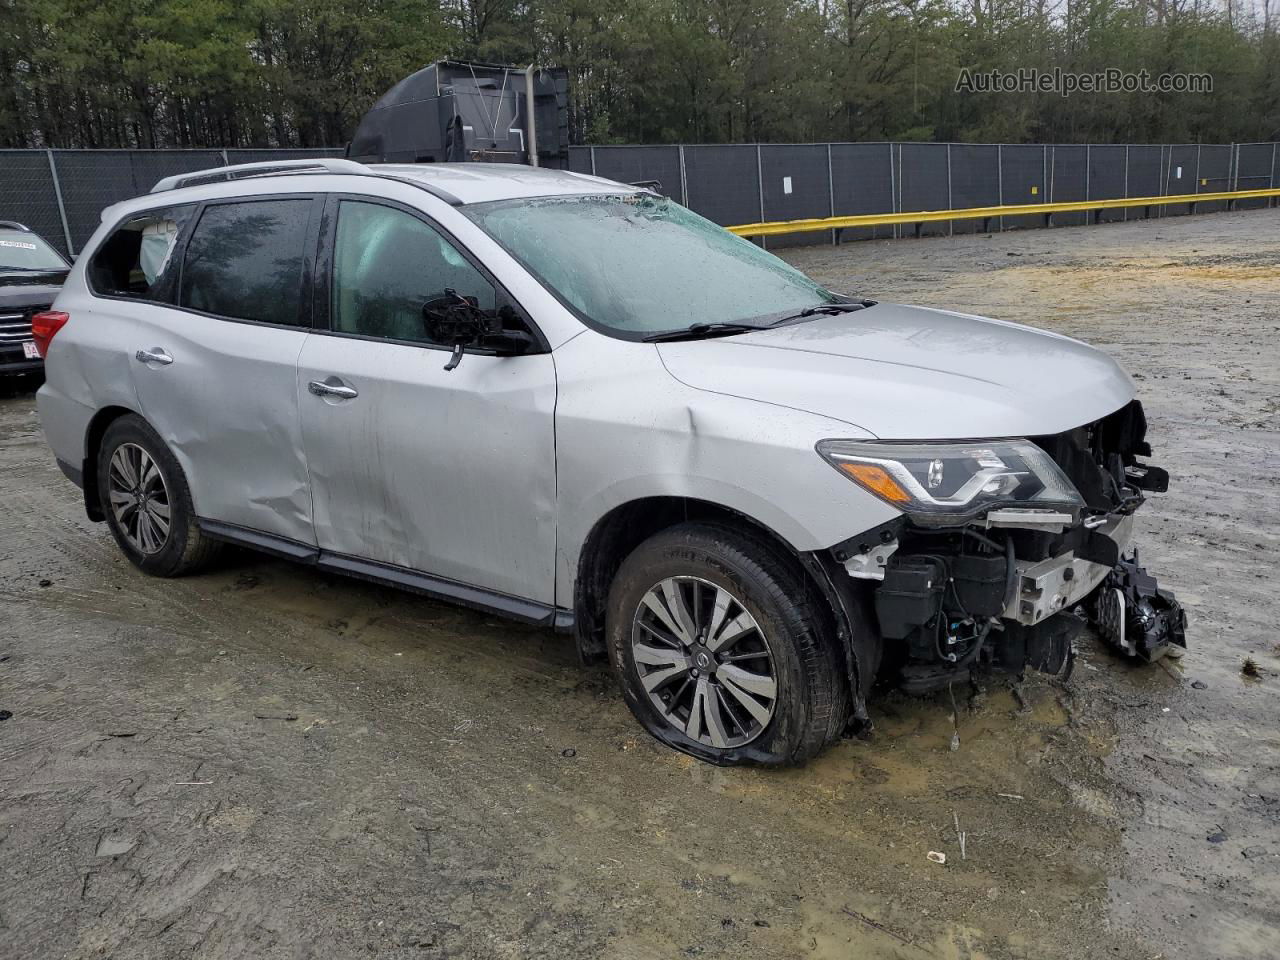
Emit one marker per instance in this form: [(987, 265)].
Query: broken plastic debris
[(937, 857)]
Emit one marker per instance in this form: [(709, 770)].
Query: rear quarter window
[(245, 261), (137, 260)]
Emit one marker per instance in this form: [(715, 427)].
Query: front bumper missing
[(1128, 609), (945, 608), (1046, 587)]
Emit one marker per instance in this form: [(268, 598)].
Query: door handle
[(332, 387), (154, 355)]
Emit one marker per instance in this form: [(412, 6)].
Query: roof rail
[(239, 171), (14, 225)]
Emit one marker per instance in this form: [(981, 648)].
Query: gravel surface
[(266, 762)]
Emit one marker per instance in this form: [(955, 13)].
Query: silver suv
[(575, 403)]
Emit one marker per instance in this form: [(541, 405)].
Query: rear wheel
[(721, 649), (147, 503)]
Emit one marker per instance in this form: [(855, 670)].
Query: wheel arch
[(93, 435), (615, 535)]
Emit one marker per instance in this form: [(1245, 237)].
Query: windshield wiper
[(701, 331), (837, 306)]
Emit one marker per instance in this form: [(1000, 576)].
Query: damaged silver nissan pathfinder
[(576, 403)]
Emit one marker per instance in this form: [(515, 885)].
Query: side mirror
[(455, 320), (508, 343)]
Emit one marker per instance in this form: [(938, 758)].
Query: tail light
[(44, 326)]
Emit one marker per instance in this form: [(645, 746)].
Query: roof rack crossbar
[(239, 171)]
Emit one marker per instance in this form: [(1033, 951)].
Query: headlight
[(945, 483)]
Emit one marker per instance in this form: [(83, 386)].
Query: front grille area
[(1095, 457), (15, 328)]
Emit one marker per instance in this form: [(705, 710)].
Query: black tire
[(811, 706), (185, 548)]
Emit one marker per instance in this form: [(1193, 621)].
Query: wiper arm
[(701, 331), (838, 306)]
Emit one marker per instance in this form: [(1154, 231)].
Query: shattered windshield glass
[(641, 264)]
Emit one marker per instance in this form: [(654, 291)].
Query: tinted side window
[(388, 264), (137, 259), (244, 260)]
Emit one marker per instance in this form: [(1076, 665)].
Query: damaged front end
[(1001, 542)]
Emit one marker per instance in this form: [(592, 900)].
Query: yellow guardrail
[(777, 227)]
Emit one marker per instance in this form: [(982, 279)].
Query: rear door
[(446, 472), (216, 372)]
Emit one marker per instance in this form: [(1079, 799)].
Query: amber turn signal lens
[(877, 480)]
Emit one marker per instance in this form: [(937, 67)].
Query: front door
[(216, 373), (445, 472)]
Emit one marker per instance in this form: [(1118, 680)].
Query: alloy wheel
[(704, 662), (139, 498)]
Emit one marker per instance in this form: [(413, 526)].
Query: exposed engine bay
[(1011, 587)]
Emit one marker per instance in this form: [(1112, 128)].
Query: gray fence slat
[(1253, 171), (797, 186), (863, 182), (1024, 169), (1146, 169), (724, 182), (634, 164), (1070, 179), (975, 180), (580, 159), (1106, 177), (1214, 174), (923, 181)]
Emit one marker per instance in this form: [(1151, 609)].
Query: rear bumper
[(71, 472)]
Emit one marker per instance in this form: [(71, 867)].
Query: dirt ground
[(266, 762)]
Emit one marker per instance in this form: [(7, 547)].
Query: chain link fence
[(61, 193)]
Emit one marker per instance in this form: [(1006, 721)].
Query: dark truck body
[(455, 111)]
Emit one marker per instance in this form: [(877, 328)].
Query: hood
[(912, 373)]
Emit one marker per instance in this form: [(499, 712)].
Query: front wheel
[(722, 650)]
